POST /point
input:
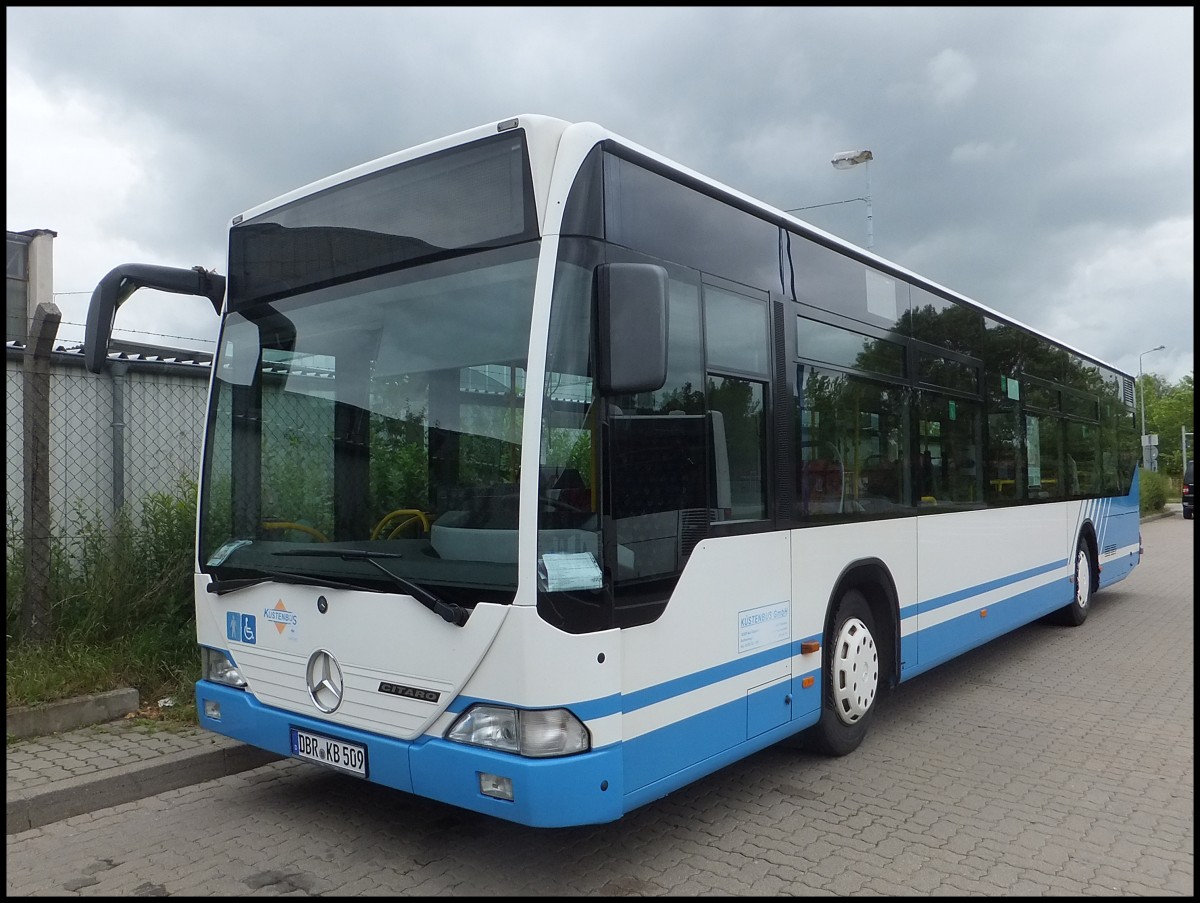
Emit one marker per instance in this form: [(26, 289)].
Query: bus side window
[(949, 438), (737, 405), (737, 341)]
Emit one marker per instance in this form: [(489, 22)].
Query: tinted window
[(831, 281), (666, 219), (584, 213), (950, 374), (945, 323), (1043, 446), (947, 470), (1081, 459), (851, 446), (739, 448), (1043, 359), (1039, 396), (846, 348), (476, 196), (737, 335), (1085, 406)]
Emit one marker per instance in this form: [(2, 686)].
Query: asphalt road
[(1053, 761)]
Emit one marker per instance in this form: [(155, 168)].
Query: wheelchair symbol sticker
[(241, 628)]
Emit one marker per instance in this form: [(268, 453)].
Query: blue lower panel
[(1116, 570), (678, 753), (574, 790), (666, 759), (668, 750), (942, 642)]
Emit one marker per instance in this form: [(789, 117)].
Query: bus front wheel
[(851, 678)]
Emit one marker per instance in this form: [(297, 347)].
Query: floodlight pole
[(1142, 405), (849, 159)]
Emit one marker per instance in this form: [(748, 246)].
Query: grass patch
[(159, 664), (121, 610)]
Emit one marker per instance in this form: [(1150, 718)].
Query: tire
[(851, 679), (1076, 611)]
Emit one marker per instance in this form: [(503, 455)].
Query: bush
[(122, 610), (1156, 489)]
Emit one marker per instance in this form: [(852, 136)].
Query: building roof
[(127, 352)]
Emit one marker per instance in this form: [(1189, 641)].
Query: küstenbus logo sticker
[(765, 626), (281, 619)]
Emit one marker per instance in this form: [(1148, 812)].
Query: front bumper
[(572, 790)]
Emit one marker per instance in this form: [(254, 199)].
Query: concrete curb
[(33, 808), (69, 714), (41, 805)]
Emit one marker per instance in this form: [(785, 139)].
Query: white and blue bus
[(543, 476)]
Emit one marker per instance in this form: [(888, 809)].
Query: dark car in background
[(1189, 489)]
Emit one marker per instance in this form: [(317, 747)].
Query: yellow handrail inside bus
[(292, 525), (412, 514)]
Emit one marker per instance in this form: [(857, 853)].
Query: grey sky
[(1039, 160)]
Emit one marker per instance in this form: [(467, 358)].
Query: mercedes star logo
[(324, 677)]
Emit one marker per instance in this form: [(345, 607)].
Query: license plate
[(340, 754)]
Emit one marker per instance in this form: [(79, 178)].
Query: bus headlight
[(537, 733), (552, 732), (217, 667)]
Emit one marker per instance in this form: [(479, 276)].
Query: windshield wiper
[(220, 587), (447, 611)]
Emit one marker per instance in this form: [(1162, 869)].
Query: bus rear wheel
[(851, 678)]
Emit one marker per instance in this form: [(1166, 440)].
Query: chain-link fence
[(114, 438)]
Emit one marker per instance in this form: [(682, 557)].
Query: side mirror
[(631, 328), (121, 282)]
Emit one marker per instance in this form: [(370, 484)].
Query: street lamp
[(1142, 389), (848, 160)]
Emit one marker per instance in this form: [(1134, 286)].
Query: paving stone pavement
[(59, 775)]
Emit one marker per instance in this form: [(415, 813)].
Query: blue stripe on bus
[(614, 704), (929, 605), (679, 686)]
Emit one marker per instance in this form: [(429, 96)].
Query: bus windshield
[(381, 414)]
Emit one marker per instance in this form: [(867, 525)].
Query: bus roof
[(545, 133)]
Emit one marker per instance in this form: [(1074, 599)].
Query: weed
[(122, 612)]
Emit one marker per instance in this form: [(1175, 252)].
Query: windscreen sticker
[(219, 556), (562, 571)]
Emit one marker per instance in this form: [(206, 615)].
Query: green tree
[(1170, 409)]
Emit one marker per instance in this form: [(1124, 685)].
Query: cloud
[(1144, 278), (952, 77), (983, 152), (65, 135), (1016, 150)]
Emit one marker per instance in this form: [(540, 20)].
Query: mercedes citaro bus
[(543, 475)]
